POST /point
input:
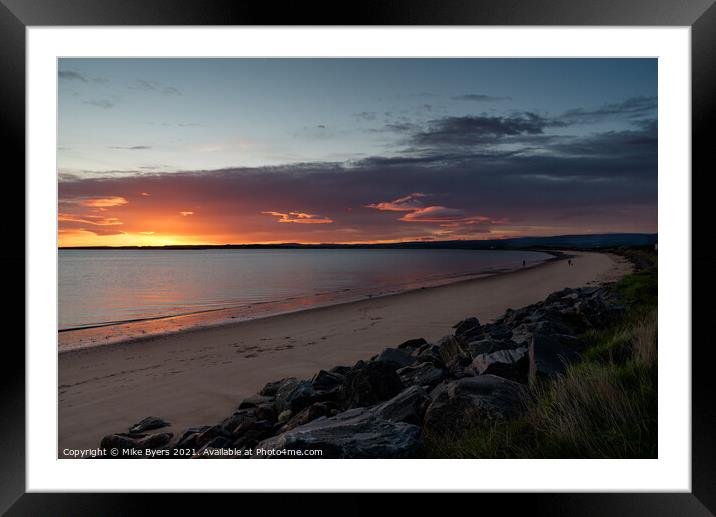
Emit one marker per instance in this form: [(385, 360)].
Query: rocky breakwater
[(385, 406)]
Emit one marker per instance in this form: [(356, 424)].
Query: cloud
[(146, 194), (186, 213), (480, 97), (89, 219), (633, 107), (151, 86), (481, 129), (97, 202), (403, 204), (100, 103), (147, 233), (299, 218), (129, 147), (366, 115), (71, 75)]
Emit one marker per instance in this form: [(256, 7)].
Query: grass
[(605, 406)]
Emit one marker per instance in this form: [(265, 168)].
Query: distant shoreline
[(595, 241), (229, 316)]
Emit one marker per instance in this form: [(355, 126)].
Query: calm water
[(105, 286)]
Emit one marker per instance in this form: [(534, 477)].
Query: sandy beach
[(199, 376)]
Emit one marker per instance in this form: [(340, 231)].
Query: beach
[(198, 376)]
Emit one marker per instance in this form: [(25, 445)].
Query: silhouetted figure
[(569, 261), (523, 263)]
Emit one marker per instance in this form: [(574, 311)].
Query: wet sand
[(198, 377)]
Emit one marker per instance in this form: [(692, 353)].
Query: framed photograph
[(443, 248)]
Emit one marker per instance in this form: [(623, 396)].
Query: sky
[(220, 151)]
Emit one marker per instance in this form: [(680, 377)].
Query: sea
[(112, 287)]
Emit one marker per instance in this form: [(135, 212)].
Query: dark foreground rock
[(469, 402), (356, 433), (151, 422)]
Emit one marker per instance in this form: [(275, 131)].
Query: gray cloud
[(630, 108), (71, 75), (479, 97), (129, 147)]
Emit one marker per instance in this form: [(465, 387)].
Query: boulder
[(549, 354), (248, 434), (472, 401), (188, 438), (371, 384), (125, 442), (341, 370), (449, 349), (307, 415), (151, 422), (211, 433), (429, 354), (356, 433), (239, 417), (468, 328), (396, 358), (412, 344), (254, 401), (272, 387), (497, 331), (324, 380), (408, 406), (295, 395), (510, 364), (489, 345), (422, 374)]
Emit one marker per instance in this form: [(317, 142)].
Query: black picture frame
[(700, 15)]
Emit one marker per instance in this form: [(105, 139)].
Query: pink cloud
[(299, 217), (404, 204)]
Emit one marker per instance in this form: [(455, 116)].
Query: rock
[(272, 387), (254, 401), (151, 422), (395, 357), (468, 328), (211, 433), (124, 442), (341, 370), (559, 295), (295, 395), (188, 439), (265, 412), (324, 380), (460, 367), (248, 434), (488, 346), (422, 374), (449, 349), (510, 364), (307, 415), (497, 331), (374, 383), (357, 433), (549, 354), (240, 417), (429, 354), (412, 344), (408, 406), (285, 416), (469, 402)]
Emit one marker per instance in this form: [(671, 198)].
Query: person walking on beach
[(569, 262), (523, 263)]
